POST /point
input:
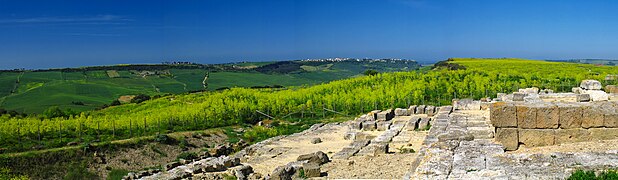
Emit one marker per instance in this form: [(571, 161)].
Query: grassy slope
[(38, 91)]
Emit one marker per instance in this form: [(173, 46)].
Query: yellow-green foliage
[(483, 77)]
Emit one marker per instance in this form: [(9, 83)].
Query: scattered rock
[(171, 165), (311, 170), (316, 140), (316, 157)]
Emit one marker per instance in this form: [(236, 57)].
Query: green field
[(85, 89)]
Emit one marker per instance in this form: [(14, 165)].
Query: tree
[(140, 98), (370, 72)]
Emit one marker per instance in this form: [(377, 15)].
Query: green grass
[(117, 174), (591, 175)]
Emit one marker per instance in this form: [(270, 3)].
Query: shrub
[(140, 98), (164, 139), (187, 156), (370, 72)]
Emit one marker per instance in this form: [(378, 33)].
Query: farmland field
[(90, 88)]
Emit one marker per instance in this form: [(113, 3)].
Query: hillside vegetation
[(481, 78), (88, 88)]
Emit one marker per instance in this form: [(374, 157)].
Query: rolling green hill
[(88, 88)]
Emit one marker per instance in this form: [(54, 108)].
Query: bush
[(80, 171), (117, 174), (590, 175), (140, 98), (370, 72)]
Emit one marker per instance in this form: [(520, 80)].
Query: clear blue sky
[(60, 33)]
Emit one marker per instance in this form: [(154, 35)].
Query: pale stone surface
[(536, 137), (508, 137), (503, 114), (610, 120), (596, 95), (592, 117), (519, 96), (570, 115), (532, 90), (526, 117), (590, 85), (571, 135), (547, 117), (583, 98), (603, 133)]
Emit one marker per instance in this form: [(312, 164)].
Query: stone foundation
[(549, 123)]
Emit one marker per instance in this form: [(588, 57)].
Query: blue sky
[(44, 33)]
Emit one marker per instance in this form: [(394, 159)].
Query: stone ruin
[(414, 118), (529, 119)]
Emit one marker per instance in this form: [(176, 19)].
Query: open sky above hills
[(43, 34)]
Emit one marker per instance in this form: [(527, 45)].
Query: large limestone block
[(582, 98), (401, 112), (576, 90), (412, 110), (383, 125), (503, 114), (519, 96), (536, 137), (412, 124), (526, 117), (430, 110), (532, 90), (610, 120), (508, 137), (467, 104), (570, 115), (369, 125), (385, 115), (596, 95), (547, 116), (603, 133), (571, 135), (420, 109), (592, 116), (590, 84), (423, 124)]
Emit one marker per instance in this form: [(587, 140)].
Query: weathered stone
[(312, 170), (592, 117), (363, 136), (571, 135), (590, 84), (503, 114), (401, 112), (423, 124), (576, 90), (171, 165), (420, 109), (316, 140), (603, 133), (611, 89), (519, 96), (356, 125), (532, 90), (383, 125), (596, 95), (526, 117), (430, 110), (547, 117), (316, 157), (375, 149), (241, 172), (369, 125), (412, 110), (583, 98), (285, 172), (412, 124), (230, 161), (570, 116), (485, 105), (508, 137), (536, 137), (610, 120), (350, 135), (385, 115)]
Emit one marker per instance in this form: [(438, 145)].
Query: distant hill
[(87, 88)]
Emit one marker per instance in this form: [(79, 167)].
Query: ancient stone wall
[(549, 123)]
